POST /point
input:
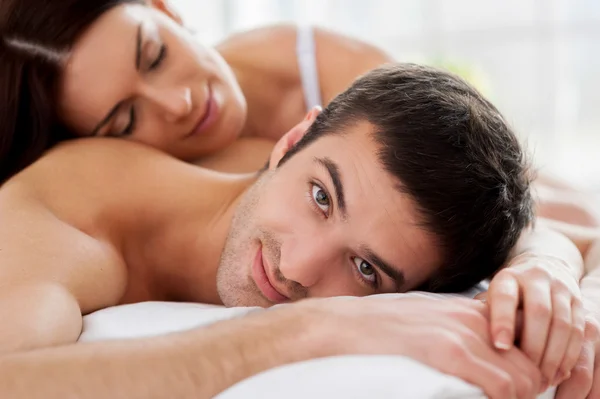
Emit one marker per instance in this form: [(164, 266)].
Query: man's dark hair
[(453, 153)]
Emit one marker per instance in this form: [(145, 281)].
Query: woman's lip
[(209, 116), (261, 278)]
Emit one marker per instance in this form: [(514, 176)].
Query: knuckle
[(527, 387), (577, 332), (582, 375), (504, 296), (559, 286), (577, 303), (451, 345), (543, 273), (592, 328), (561, 322), (534, 352), (538, 308), (504, 322), (539, 272), (504, 386), (550, 366), (507, 273), (456, 349), (474, 319)]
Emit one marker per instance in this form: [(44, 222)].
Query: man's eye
[(365, 270), (321, 198)]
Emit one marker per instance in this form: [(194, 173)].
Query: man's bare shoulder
[(93, 162), (106, 154), (94, 182)]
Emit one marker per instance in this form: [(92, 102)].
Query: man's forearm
[(546, 242), (194, 364), (590, 284)]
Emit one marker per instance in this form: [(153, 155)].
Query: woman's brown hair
[(37, 36)]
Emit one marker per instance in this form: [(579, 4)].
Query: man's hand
[(451, 335), (553, 316), (584, 381)]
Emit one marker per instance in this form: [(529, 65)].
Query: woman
[(129, 69)]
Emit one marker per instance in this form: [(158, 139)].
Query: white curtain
[(538, 60)]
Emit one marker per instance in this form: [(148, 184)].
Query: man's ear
[(293, 136), (167, 8)]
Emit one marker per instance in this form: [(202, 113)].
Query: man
[(409, 179)]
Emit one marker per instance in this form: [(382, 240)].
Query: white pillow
[(353, 377), (343, 376)]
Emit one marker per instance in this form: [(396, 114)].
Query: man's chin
[(231, 299)]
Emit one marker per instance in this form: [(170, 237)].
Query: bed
[(343, 376)]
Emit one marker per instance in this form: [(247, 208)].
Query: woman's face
[(139, 75)]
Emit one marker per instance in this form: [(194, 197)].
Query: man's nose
[(306, 262), (174, 102)]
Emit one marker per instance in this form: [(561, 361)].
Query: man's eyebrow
[(338, 186), (138, 61), (393, 272)]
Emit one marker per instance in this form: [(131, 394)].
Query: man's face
[(328, 222)]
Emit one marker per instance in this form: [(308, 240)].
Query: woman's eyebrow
[(138, 49)]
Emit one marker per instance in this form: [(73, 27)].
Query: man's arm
[(449, 335), (195, 364), (50, 273), (542, 278), (584, 381), (61, 224), (36, 315)]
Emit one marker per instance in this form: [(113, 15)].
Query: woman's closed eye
[(159, 58), (129, 120), (131, 114)]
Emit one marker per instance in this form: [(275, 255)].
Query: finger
[(503, 297), (477, 364), (558, 338), (495, 382), (527, 376), (576, 338), (595, 391), (537, 306), (579, 384)]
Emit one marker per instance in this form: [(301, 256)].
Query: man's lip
[(261, 278), (208, 117)]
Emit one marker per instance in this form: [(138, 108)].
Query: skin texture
[(168, 93), (127, 230), (253, 79), (297, 245)]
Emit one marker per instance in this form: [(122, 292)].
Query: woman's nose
[(175, 103)]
